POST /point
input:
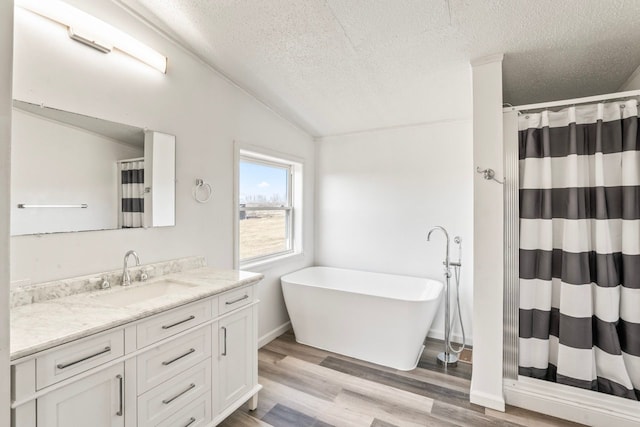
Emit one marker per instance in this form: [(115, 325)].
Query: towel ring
[(201, 184)]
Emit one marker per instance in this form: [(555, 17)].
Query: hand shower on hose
[(450, 355)]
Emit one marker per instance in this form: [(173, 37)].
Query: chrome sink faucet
[(126, 277)]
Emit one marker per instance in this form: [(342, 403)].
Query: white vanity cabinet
[(192, 365), (96, 401), (235, 365)]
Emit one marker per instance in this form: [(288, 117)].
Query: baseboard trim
[(487, 400), (456, 338), (573, 404), (273, 334)]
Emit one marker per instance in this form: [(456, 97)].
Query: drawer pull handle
[(178, 323), (224, 334), (191, 387), (237, 300), (66, 365), (191, 421), (121, 394), (169, 362)]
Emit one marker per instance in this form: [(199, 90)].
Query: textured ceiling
[(337, 66)]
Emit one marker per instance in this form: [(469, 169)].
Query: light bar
[(89, 41), (93, 32), (25, 206)]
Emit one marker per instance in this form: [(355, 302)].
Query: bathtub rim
[(434, 282)]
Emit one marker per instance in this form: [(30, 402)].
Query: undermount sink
[(134, 295)]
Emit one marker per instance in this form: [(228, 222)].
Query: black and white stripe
[(132, 189), (580, 247)]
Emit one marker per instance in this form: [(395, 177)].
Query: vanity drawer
[(234, 299), (161, 402), (196, 414), (76, 357), (165, 361), (170, 323)]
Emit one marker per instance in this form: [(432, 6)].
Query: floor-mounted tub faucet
[(450, 355), (126, 277), (447, 263)]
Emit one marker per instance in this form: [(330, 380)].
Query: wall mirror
[(71, 172)]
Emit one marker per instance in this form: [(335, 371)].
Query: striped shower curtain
[(580, 247), (132, 190)]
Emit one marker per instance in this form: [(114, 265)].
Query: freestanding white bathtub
[(380, 318)]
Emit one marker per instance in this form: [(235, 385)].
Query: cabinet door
[(95, 401), (236, 357)]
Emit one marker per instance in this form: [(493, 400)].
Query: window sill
[(265, 264)]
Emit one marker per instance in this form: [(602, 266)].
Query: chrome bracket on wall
[(489, 174)]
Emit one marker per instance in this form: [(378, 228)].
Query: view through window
[(265, 209)]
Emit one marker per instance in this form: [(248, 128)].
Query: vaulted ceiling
[(339, 66)]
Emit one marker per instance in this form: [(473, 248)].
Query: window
[(266, 207)]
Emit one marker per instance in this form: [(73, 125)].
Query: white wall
[(205, 112), (54, 163), (632, 83), (380, 192), (6, 61), (488, 202)]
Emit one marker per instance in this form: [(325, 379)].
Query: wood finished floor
[(308, 387)]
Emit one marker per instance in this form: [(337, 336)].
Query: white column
[(486, 382), (6, 68)]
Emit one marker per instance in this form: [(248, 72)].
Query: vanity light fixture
[(89, 41), (91, 31)]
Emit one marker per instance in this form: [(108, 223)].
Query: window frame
[(293, 209)]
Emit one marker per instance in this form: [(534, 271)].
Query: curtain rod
[(570, 102), (137, 159)]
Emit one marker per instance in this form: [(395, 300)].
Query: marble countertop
[(42, 325)]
